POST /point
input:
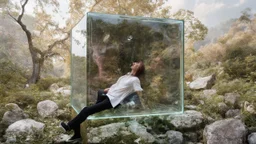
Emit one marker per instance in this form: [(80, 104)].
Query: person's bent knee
[(100, 92)]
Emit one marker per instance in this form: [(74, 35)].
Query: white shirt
[(124, 86)]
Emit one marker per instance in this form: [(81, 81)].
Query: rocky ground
[(228, 124)]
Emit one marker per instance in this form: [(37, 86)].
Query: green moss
[(210, 107), (229, 86), (44, 84), (241, 66), (120, 139), (157, 125), (249, 119), (100, 122), (62, 103), (22, 100)]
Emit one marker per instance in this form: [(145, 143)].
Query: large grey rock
[(252, 138), (231, 98), (13, 114), (140, 131), (47, 108), (174, 137), (189, 119), (21, 128), (203, 82), (96, 135), (228, 131)]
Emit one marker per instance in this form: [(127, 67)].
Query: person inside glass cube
[(109, 98)]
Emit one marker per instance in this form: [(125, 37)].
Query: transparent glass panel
[(103, 49)]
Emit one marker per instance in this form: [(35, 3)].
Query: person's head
[(138, 68)]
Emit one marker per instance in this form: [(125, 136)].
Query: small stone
[(252, 138), (203, 82), (231, 98), (232, 113)]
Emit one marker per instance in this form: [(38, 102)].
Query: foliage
[(194, 29), (210, 107), (241, 63), (45, 83), (249, 119), (231, 49), (157, 125), (45, 42), (11, 77)]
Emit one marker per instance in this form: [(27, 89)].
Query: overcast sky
[(213, 12), (209, 12)]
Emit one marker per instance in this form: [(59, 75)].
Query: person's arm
[(106, 90)]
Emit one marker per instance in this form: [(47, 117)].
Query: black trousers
[(102, 103)]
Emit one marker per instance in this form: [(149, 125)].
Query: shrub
[(210, 107), (2, 90), (44, 84), (63, 103), (236, 85), (249, 119), (241, 62), (23, 100), (11, 76)]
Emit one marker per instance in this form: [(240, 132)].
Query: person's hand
[(106, 90)]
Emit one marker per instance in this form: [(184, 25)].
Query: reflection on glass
[(103, 49)]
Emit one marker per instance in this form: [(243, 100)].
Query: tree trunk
[(36, 54), (37, 64)]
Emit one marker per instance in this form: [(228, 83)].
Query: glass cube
[(103, 49)]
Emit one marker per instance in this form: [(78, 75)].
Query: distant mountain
[(13, 41), (214, 33)]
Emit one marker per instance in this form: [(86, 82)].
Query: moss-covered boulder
[(23, 129), (13, 114), (228, 131)]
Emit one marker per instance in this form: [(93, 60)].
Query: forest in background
[(231, 56)]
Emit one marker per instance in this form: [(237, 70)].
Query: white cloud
[(239, 3), (202, 9), (176, 5), (29, 8)]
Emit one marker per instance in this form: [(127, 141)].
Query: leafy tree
[(194, 29), (46, 39), (38, 53)]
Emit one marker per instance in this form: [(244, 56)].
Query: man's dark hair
[(140, 70)]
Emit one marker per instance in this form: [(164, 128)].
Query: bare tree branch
[(49, 24), (22, 10), (12, 16), (50, 47), (95, 4)]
